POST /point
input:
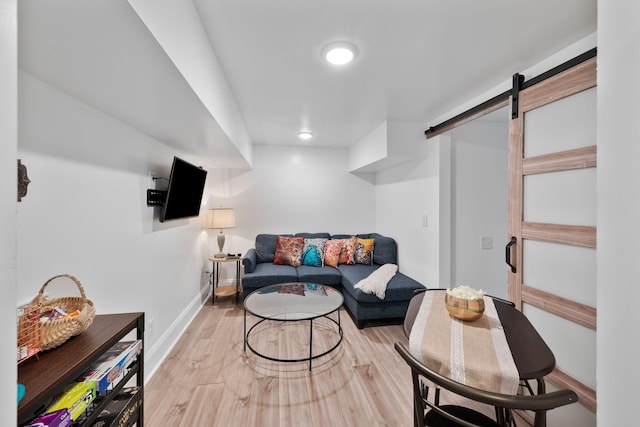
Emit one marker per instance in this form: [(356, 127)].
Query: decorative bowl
[(464, 309)]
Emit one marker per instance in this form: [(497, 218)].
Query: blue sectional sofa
[(259, 271)]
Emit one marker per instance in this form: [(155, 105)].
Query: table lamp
[(221, 218)]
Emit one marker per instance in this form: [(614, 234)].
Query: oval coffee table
[(293, 302)]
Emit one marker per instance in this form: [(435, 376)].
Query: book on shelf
[(121, 409), (76, 399), (61, 418), (112, 365)]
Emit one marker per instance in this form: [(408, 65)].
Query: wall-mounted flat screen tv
[(184, 194)]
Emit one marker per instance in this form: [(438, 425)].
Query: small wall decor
[(23, 180)]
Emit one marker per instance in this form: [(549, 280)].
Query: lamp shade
[(221, 218)]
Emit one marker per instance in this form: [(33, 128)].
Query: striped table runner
[(472, 353)]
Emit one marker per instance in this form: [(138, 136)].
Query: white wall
[(479, 205), (296, 189), (86, 215), (370, 148), (291, 190), (618, 211), (404, 195), (461, 187), (177, 27), (8, 160)]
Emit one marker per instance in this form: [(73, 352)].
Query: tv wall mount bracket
[(156, 197)]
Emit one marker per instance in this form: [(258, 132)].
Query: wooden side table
[(224, 291)]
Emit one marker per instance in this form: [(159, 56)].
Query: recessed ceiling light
[(305, 135), (339, 53)]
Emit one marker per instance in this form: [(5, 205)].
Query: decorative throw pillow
[(332, 252), (364, 251), (289, 251), (313, 252), (376, 282), (348, 252)]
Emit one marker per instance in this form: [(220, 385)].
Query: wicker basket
[(56, 332)]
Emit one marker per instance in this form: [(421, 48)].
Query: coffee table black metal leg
[(237, 280), (213, 283), (244, 338), (310, 343)]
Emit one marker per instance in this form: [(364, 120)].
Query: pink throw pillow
[(332, 252)]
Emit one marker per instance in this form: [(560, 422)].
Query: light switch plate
[(486, 243)]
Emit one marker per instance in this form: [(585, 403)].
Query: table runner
[(472, 353)]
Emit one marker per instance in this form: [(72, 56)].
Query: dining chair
[(429, 413)]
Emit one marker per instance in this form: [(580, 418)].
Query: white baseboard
[(154, 356)]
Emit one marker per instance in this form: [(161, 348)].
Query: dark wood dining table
[(531, 355)]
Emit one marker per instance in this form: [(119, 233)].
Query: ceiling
[(418, 59)]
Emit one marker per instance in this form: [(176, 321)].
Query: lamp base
[(220, 254)]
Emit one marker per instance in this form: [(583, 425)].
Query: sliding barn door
[(552, 216)]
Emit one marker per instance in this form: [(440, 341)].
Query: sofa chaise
[(260, 269)]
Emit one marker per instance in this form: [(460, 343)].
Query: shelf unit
[(46, 376)]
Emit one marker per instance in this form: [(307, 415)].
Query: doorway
[(479, 172)]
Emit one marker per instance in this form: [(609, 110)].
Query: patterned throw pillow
[(348, 252), (332, 252), (313, 252), (364, 251), (289, 251)]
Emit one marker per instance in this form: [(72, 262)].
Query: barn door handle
[(508, 253)]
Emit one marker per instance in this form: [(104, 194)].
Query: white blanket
[(376, 282)]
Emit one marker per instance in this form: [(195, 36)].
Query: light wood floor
[(207, 380)]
